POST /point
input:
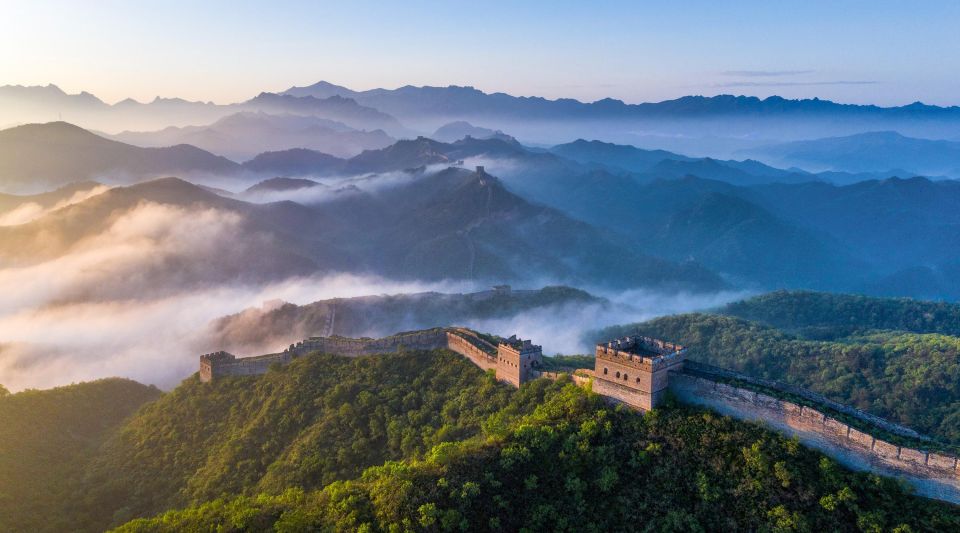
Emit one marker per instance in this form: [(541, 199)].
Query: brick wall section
[(458, 343), (933, 475), (710, 371)]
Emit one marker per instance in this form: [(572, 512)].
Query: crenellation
[(638, 372)]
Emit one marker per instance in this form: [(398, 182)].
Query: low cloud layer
[(30, 211), (136, 300)]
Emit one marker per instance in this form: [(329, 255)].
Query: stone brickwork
[(932, 474), (515, 361), (636, 370), (518, 361)]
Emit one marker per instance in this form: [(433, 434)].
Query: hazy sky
[(884, 52)]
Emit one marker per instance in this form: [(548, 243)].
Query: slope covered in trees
[(46, 439), (575, 464), (896, 358), (821, 314), (320, 419)]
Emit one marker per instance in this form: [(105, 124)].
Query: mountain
[(161, 237), (337, 108), (625, 157), (18, 209), (53, 154), (827, 315), (48, 438), (734, 172), (660, 164), (893, 223), (21, 105), (295, 162), (733, 236), (453, 224), (893, 358), (467, 225), (243, 135), (867, 152), (455, 131), (426, 439), (715, 126), (261, 330), (282, 184), (441, 100)]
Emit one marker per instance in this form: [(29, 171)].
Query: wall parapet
[(933, 474), (706, 370)]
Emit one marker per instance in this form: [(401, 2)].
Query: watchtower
[(214, 365), (518, 360), (635, 370)]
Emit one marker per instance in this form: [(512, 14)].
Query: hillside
[(334, 443), (898, 359), (242, 136), (57, 153), (48, 437), (823, 314), (260, 330), (316, 421), (467, 225), (295, 162), (677, 470), (870, 151)]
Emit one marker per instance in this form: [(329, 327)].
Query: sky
[(880, 51)]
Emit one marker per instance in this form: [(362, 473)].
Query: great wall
[(638, 371)]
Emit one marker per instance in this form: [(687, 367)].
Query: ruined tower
[(634, 370), (518, 360)]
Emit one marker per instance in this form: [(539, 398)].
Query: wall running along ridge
[(931, 474)]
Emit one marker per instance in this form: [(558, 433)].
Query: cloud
[(137, 301), (30, 211), (764, 73)]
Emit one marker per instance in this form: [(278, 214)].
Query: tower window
[(604, 370), (625, 377), (618, 374)]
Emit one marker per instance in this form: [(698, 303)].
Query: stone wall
[(709, 371), (934, 475), (458, 342), (430, 339)]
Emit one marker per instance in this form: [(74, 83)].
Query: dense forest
[(825, 315), (426, 441), (895, 358), (48, 437), (576, 464)]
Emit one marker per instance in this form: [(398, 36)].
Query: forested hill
[(895, 358), (426, 441), (575, 464), (46, 440), (823, 313)]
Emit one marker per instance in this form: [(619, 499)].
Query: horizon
[(632, 53), (81, 92)]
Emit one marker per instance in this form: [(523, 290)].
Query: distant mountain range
[(867, 152), (242, 136), (409, 100), (716, 126), (20, 105), (702, 125), (453, 224), (40, 156)]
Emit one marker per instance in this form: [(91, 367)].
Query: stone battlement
[(638, 371), (635, 370), (514, 361)]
